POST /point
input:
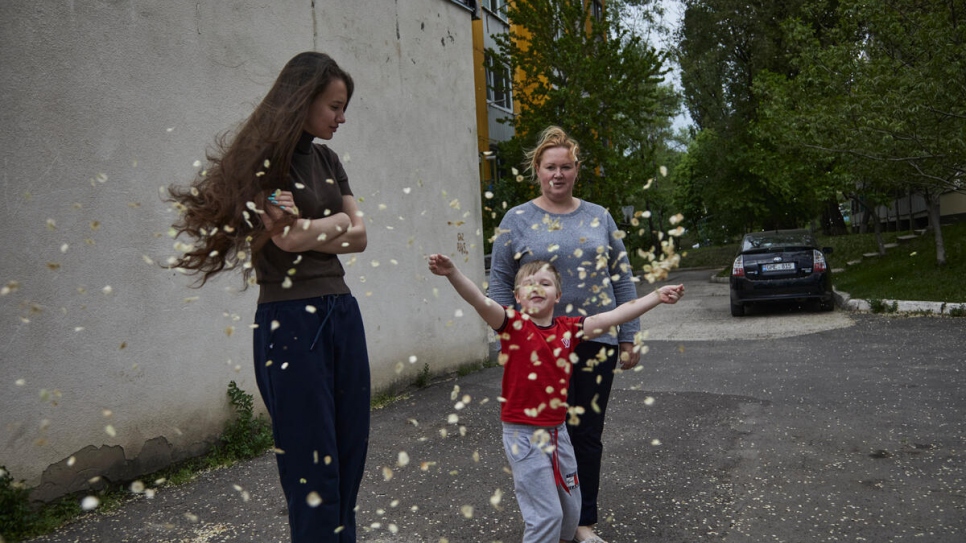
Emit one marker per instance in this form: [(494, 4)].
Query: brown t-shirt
[(318, 184)]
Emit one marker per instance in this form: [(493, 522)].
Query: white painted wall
[(103, 102)]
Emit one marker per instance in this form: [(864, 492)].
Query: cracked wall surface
[(110, 359)]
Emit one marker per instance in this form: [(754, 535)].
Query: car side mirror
[(827, 250)]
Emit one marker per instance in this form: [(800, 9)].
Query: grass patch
[(880, 306), (20, 519), (851, 247), (906, 272), (385, 398), (473, 367), (909, 271), (709, 257)]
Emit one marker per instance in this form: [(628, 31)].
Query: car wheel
[(826, 305), (737, 310)]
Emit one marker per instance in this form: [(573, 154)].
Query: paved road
[(785, 426), (704, 314)]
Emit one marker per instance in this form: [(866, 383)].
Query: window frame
[(496, 7), (469, 5), (499, 85)]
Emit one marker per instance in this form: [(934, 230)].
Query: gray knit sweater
[(582, 246)]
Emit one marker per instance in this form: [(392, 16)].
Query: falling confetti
[(313, 499)]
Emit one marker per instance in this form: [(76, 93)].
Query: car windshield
[(766, 240)]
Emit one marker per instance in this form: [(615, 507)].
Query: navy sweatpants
[(585, 391), (312, 369)]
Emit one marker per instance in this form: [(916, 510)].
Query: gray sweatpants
[(550, 512)]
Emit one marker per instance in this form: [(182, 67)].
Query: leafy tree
[(879, 93), (742, 181), (599, 82)]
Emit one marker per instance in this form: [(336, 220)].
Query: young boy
[(535, 350)]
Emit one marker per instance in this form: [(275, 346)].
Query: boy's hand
[(670, 294), (441, 265)]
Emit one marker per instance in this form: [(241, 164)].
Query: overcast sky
[(673, 13)]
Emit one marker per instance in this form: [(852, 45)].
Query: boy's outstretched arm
[(601, 323), (493, 313)]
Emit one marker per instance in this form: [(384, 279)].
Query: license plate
[(781, 266)]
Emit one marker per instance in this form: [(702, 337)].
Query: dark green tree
[(879, 94), (742, 180)]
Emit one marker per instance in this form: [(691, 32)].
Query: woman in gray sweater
[(582, 240)]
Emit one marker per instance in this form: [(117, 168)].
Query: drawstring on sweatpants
[(330, 307)]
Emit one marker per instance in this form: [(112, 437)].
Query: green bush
[(245, 436), (16, 515), (424, 378), (880, 306)]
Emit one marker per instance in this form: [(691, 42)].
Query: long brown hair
[(219, 208)]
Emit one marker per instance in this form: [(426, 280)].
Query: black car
[(781, 265)]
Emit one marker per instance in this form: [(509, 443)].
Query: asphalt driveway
[(786, 426)]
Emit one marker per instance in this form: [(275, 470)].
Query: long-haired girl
[(279, 206)]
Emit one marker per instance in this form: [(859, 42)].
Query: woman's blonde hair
[(552, 136)]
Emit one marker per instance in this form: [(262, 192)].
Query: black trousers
[(312, 369), (587, 392)]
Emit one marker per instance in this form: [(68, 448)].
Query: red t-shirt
[(536, 368)]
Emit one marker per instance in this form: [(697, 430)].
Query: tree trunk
[(833, 224), (863, 226), (932, 205), (912, 225), (895, 206), (877, 226), (873, 214)]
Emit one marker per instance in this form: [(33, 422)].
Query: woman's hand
[(629, 357), (281, 204), (283, 200)]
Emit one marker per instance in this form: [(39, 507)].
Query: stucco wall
[(110, 364)]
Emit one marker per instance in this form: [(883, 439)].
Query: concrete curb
[(845, 301)]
